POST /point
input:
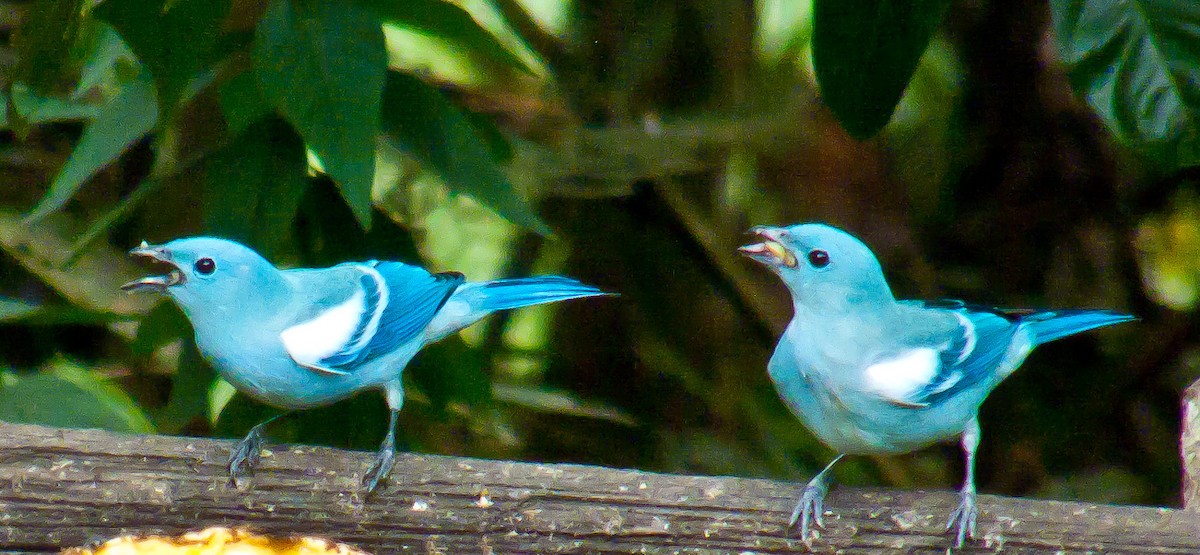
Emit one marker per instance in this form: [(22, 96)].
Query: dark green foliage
[(321, 64), (176, 40), (242, 102), (254, 185), (119, 124), (191, 387), (865, 53), (422, 122), (69, 396), (44, 44), (1138, 64), (444, 21)]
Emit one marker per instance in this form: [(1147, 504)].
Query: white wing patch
[(900, 378), (372, 325), (968, 334), (327, 334)]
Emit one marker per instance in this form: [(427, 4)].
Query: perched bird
[(302, 338), (872, 375)]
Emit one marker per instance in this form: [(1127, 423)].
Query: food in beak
[(769, 250), (158, 283)]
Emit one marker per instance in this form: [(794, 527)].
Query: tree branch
[(62, 488)]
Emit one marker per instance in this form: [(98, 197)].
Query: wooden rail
[(61, 488)]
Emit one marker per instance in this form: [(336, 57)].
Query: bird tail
[(503, 294), (1056, 324), (472, 301)]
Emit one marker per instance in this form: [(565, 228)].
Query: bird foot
[(380, 468), (965, 516), (809, 509), (245, 456)]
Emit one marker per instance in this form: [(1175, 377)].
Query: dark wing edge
[(985, 338), (412, 297)]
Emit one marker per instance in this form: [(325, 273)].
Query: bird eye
[(818, 258), (205, 266)]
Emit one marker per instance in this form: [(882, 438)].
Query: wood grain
[(61, 488)]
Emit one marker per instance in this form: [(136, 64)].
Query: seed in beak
[(770, 249), (780, 252)]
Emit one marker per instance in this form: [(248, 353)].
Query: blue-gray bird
[(872, 375), (302, 338)]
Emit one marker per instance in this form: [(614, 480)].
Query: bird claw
[(965, 515), (244, 457), (810, 508), (380, 468)]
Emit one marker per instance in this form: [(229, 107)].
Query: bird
[(302, 338), (872, 375)]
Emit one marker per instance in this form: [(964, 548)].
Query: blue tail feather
[(1056, 324), (504, 294)]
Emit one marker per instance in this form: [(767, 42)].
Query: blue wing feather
[(972, 356), (414, 296), (421, 296), (977, 353)]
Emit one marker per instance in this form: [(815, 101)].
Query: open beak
[(770, 249), (161, 256)]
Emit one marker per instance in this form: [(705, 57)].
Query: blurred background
[(1024, 154)]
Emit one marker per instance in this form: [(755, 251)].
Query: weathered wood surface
[(1189, 447), (63, 488)]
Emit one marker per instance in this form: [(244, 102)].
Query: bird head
[(204, 273), (820, 263)]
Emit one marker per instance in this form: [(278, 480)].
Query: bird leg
[(394, 392), (967, 511), (384, 459), (246, 454), (811, 506)]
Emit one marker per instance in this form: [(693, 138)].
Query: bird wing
[(931, 367), (388, 305)]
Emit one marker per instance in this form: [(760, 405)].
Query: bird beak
[(159, 255), (770, 249)]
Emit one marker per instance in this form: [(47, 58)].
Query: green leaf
[(921, 137), (499, 147), (119, 124), (783, 26), (69, 396), (329, 234), (13, 311), (93, 282), (35, 108), (1138, 64), (174, 39), (43, 41), (559, 402), (242, 103), (865, 52), (106, 50), (322, 65), (101, 225), (189, 390), (254, 187), (426, 125), (162, 325), (448, 22)]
